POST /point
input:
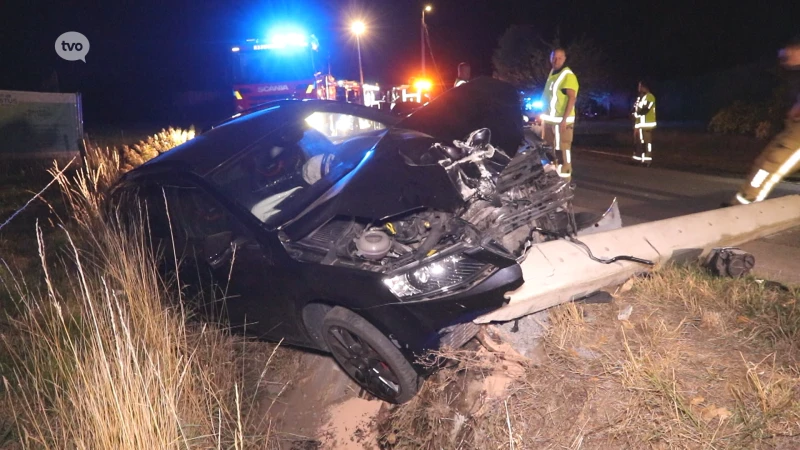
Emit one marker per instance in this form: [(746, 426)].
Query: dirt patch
[(352, 425), (315, 405)]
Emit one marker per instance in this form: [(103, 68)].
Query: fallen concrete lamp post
[(561, 271)]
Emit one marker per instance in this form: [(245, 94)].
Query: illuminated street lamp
[(358, 28), (427, 8)]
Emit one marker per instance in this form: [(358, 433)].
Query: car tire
[(369, 357)]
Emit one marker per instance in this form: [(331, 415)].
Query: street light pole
[(358, 29), (360, 68), (427, 8), (422, 41)]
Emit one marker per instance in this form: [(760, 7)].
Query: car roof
[(225, 140)]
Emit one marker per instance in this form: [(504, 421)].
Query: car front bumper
[(424, 325)]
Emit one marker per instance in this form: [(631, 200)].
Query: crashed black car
[(334, 227)]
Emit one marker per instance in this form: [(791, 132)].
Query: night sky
[(145, 49)]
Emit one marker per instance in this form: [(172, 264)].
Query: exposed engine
[(515, 202), (370, 246), (513, 199)]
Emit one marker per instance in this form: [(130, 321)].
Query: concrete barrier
[(560, 271)]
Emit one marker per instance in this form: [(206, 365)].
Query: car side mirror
[(219, 248)]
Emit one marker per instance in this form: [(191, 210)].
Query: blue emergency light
[(532, 105), (284, 40)]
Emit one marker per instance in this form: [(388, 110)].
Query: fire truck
[(285, 65)]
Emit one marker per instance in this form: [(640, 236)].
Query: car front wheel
[(369, 357)]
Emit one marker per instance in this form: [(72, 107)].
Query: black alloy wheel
[(369, 357)]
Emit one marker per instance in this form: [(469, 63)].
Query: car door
[(226, 266)]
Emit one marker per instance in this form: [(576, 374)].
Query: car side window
[(195, 214), (144, 206), (185, 216)]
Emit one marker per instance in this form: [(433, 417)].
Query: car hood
[(395, 177), (383, 184), (482, 103)]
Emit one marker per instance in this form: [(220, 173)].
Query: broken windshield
[(282, 173)]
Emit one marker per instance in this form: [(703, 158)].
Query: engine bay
[(511, 203)]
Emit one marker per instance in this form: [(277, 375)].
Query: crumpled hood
[(482, 103), (382, 185), (394, 177)]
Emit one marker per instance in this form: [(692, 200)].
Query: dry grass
[(701, 363), (102, 356), (566, 326), (102, 363), (127, 157)]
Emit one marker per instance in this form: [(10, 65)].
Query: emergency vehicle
[(407, 97), (285, 65)]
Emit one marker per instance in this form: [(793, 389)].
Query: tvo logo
[(72, 46)]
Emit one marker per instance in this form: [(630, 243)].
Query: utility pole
[(427, 8)]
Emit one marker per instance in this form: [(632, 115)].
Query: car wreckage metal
[(384, 244)]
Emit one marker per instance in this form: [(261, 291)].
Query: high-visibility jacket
[(644, 111), (555, 97)]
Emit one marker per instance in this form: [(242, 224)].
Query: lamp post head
[(358, 28)]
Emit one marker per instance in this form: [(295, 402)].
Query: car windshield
[(283, 172)]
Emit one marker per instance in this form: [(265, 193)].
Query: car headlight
[(438, 276)]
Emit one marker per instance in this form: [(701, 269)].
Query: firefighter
[(463, 74), (644, 115), (560, 93), (781, 156)]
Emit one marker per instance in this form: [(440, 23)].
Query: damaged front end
[(453, 194), (516, 202), (507, 205)]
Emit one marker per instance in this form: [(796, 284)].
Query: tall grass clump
[(105, 354), (126, 157)]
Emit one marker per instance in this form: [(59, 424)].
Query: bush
[(764, 129), (759, 119), (739, 118)]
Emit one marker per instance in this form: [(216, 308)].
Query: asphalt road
[(647, 194)]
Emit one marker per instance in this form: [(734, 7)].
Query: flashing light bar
[(279, 45), (283, 40)]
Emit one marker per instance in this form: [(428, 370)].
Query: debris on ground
[(706, 362), (730, 262), (626, 312), (523, 335)]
